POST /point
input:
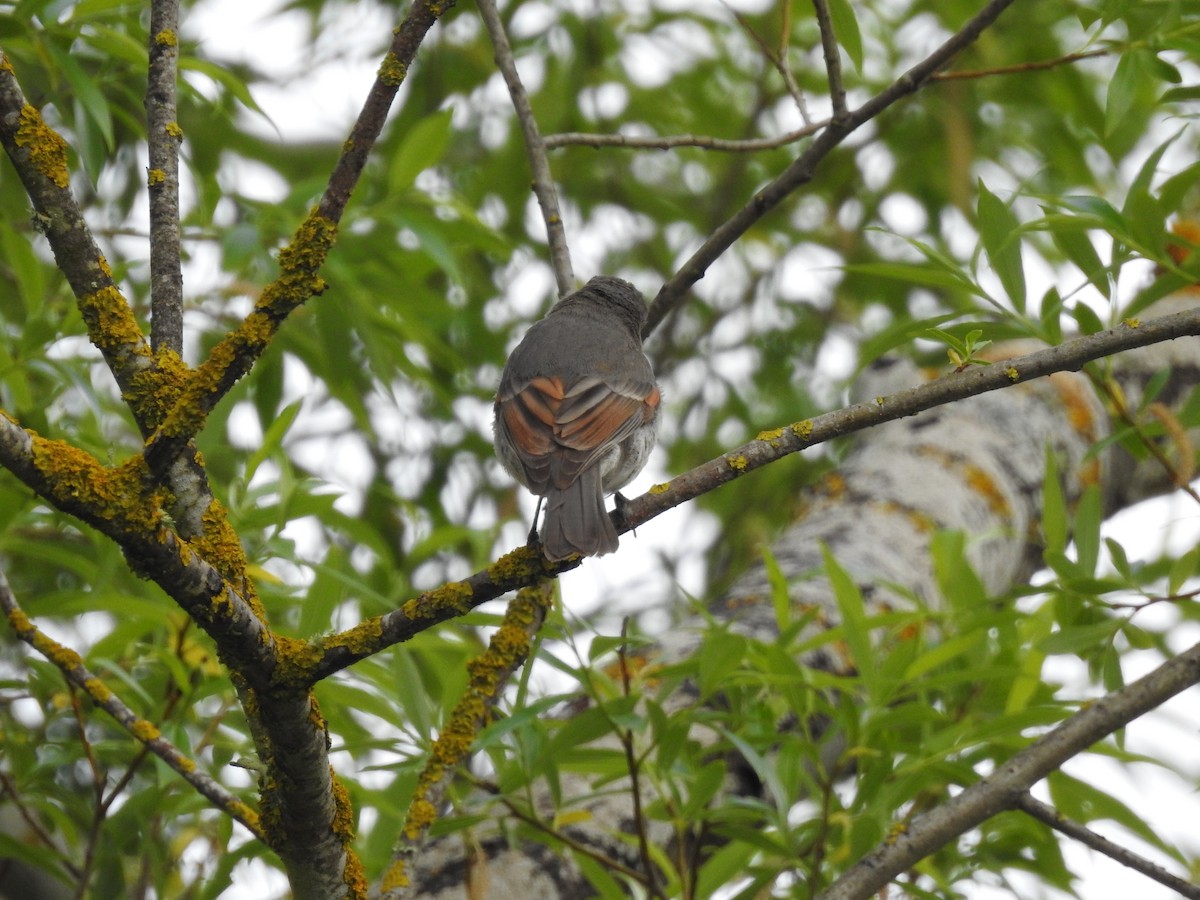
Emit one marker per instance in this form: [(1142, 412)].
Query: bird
[(576, 413)]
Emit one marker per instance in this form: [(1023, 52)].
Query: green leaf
[(1054, 507), (845, 28), (1133, 78), (423, 146), (1000, 233), (854, 620), (1089, 513)]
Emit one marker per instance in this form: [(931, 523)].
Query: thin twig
[(163, 137), (71, 665), (777, 59), (1018, 68), (670, 142), (634, 768), (8, 789), (833, 59), (1048, 815), (785, 69), (801, 170), (535, 149)]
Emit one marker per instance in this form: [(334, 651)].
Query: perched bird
[(576, 413)]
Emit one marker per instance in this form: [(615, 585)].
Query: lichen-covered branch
[(506, 652), (163, 135), (73, 668), (39, 155), (301, 260), (122, 503)]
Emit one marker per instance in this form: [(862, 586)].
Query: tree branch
[(833, 59), (39, 155), (801, 170), (163, 135), (535, 149), (669, 142), (1048, 815), (74, 670), (1004, 789)]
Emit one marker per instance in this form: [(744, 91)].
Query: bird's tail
[(576, 520)]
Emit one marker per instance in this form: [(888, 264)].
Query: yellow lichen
[(47, 149), (173, 129), (1132, 322), (773, 435), (110, 322), (1013, 375), (455, 596), (166, 38), (737, 462), (97, 690), (155, 177), (392, 71), (145, 731), (656, 489), (395, 877), (421, 814), (803, 429)]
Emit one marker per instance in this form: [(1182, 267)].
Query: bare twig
[(801, 170), (526, 565), (535, 149), (634, 768), (778, 59), (163, 136), (833, 59), (669, 142), (1019, 68), (72, 667), (1048, 815)]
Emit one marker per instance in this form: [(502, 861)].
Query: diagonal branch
[(1048, 815), (72, 667), (535, 149), (526, 565), (163, 135), (1003, 789), (802, 169), (301, 260)]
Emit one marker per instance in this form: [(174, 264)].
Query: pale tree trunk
[(975, 466)]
